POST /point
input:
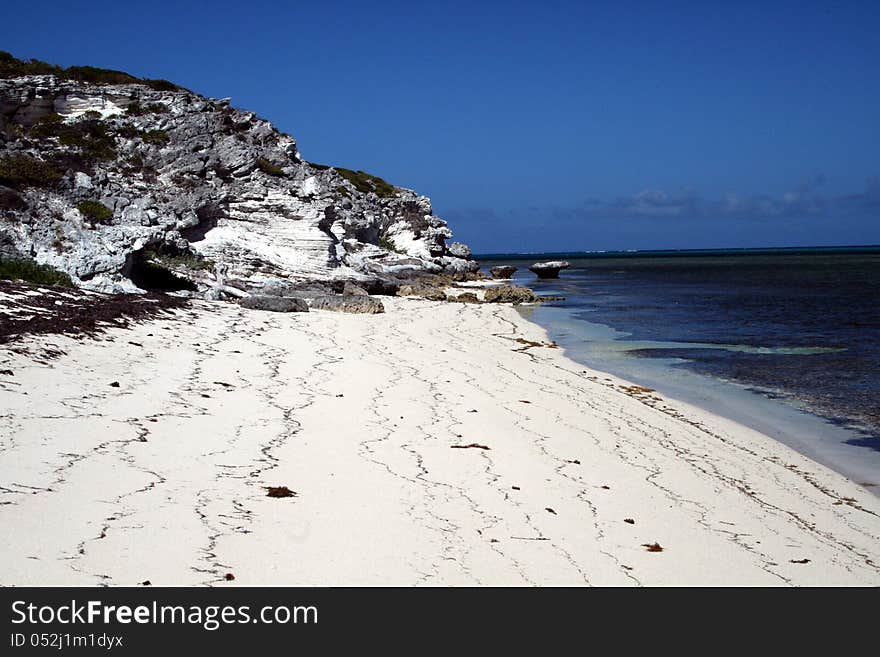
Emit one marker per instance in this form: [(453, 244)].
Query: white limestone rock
[(549, 269), (201, 177)]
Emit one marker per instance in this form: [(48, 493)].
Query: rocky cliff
[(117, 181)]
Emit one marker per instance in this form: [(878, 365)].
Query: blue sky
[(540, 125)]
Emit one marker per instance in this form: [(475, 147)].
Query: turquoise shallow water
[(785, 342)]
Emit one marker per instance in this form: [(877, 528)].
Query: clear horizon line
[(684, 250)]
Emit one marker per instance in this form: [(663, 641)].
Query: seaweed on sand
[(74, 312)]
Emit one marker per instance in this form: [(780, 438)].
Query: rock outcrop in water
[(549, 269), (502, 272), (129, 184)]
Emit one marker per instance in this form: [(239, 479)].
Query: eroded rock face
[(549, 269), (424, 290), (352, 290), (460, 250), (193, 176), (502, 271), (275, 304), (348, 304), (464, 297)]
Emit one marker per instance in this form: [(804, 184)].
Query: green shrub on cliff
[(388, 244), (188, 260), (366, 182), (158, 137), (94, 211), (11, 200), (18, 170), (363, 182), (162, 85), (268, 168), (90, 135), (127, 131), (47, 126), (136, 109), (31, 272), (98, 75), (12, 67)]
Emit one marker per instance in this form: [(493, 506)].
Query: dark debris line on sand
[(73, 312)]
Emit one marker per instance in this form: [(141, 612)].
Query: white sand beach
[(435, 444)]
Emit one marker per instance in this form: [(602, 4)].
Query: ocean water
[(784, 341)]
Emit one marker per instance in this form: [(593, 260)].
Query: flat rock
[(549, 269), (348, 304), (275, 304)]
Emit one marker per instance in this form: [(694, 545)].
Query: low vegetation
[(47, 126), (269, 168), (74, 161), (18, 170), (363, 182), (11, 67), (127, 131), (158, 137), (187, 260), (30, 272), (90, 135), (94, 211), (136, 109), (162, 85), (11, 199), (135, 161), (388, 244), (97, 75)]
